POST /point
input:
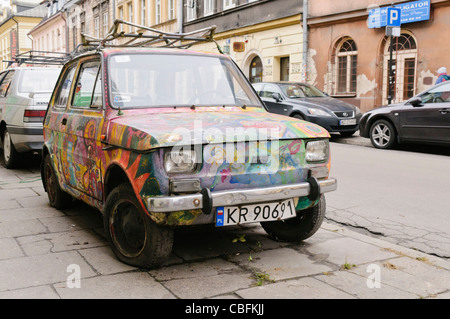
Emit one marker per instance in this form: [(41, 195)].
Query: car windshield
[(38, 80), (154, 80), (295, 91)]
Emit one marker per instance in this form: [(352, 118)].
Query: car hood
[(144, 130), (330, 103)]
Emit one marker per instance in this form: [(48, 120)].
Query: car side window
[(439, 94), (64, 90), (269, 90), (85, 84), (4, 86)]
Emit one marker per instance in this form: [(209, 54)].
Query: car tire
[(299, 228), (382, 134), (56, 196), (10, 155), (298, 116), (135, 239)]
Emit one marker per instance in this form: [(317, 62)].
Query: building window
[(191, 12), (105, 23), (143, 13), (171, 9), (158, 11), (346, 64), (97, 26), (121, 18), (208, 7), (130, 15), (227, 4)]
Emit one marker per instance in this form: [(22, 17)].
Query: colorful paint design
[(240, 148)]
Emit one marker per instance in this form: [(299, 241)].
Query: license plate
[(347, 122), (234, 215)]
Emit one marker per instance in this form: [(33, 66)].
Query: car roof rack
[(147, 37), (39, 57)]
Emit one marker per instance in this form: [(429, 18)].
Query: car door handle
[(444, 111), (64, 121)]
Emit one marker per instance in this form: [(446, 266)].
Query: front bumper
[(207, 200)]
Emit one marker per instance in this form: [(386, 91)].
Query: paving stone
[(40, 270), (41, 292), (357, 285), (9, 248), (209, 286), (131, 285), (303, 288), (348, 250)]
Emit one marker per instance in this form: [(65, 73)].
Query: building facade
[(17, 19), (51, 33), (264, 37), (349, 58)]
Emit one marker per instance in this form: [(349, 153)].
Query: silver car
[(24, 96)]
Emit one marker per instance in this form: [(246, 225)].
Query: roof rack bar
[(39, 57), (149, 37)]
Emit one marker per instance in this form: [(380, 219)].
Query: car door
[(278, 106), (83, 127), (429, 121), (2, 86)]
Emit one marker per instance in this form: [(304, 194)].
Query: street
[(397, 194), (48, 253)]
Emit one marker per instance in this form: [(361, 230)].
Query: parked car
[(306, 102), (24, 95), (162, 138), (424, 119)]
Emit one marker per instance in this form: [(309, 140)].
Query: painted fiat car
[(158, 139)]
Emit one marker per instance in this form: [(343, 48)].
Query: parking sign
[(394, 17)]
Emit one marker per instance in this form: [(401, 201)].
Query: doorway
[(404, 66)]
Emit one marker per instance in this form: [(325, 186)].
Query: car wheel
[(10, 155), (382, 134), (56, 196), (298, 116), (134, 237), (299, 228)]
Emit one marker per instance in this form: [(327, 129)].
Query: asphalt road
[(401, 195)]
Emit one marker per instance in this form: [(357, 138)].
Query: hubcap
[(7, 147), (127, 229), (381, 135)]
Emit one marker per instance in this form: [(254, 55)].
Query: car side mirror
[(276, 97), (416, 101)]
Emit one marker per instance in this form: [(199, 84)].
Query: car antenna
[(244, 107), (193, 107), (120, 112)]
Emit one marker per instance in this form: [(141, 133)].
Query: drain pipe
[(305, 40)]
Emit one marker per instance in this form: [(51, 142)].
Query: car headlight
[(318, 112), (180, 161), (357, 111), (317, 151)]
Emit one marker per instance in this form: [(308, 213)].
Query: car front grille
[(345, 114)]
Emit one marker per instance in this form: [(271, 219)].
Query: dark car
[(424, 119), (306, 102)]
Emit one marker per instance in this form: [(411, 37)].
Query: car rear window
[(38, 80)]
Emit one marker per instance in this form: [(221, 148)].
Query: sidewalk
[(44, 251)]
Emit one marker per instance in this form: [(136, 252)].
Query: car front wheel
[(134, 237), (382, 134), (299, 228)]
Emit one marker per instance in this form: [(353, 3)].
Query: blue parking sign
[(394, 17)]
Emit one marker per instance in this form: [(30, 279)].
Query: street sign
[(393, 17), (410, 12)]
